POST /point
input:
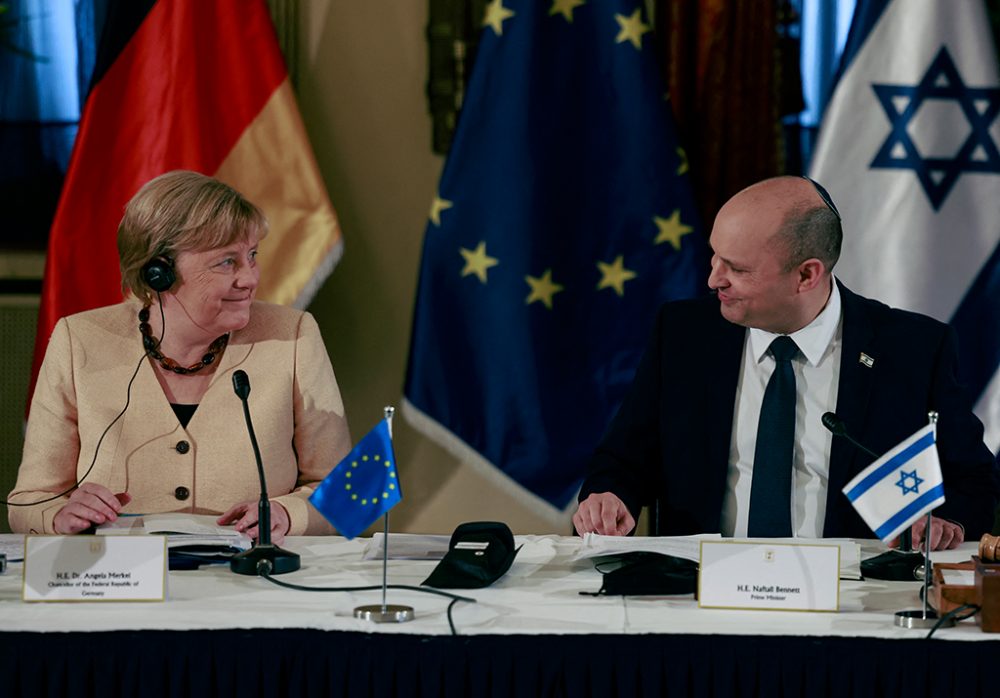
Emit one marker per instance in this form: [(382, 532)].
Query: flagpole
[(385, 613), (385, 561), (932, 417), (925, 617), (388, 411), (927, 568)]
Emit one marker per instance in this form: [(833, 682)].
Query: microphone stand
[(263, 558)]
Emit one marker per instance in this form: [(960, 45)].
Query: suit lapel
[(856, 380)]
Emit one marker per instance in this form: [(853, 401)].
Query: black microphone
[(837, 427), (263, 558)]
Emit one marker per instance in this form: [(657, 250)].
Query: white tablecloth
[(540, 594)]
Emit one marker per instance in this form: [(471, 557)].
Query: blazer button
[(182, 493), (183, 447)]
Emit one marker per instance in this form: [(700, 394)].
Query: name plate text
[(95, 568), (757, 575)]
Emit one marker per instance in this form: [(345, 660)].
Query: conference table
[(534, 632)]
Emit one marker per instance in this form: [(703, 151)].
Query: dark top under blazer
[(671, 436)]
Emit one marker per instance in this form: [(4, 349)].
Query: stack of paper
[(183, 531), (689, 547), (408, 546)]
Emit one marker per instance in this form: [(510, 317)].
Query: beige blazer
[(297, 412)]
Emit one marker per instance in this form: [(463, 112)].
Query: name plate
[(95, 568), (755, 575)]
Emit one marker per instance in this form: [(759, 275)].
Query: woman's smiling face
[(217, 286)]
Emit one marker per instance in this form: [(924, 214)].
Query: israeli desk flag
[(900, 487), (362, 487), (563, 219), (908, 148)]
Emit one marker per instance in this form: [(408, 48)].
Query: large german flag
[(187, 84)]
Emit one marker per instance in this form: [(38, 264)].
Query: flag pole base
[(377, 613), (918, 620)]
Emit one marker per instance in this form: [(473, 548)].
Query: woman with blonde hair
[(187, 247)]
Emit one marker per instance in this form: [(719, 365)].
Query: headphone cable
[(97, 449)]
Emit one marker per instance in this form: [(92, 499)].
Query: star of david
[(901, 103), (912, 475)]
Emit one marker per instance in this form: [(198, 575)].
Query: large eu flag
[(562, 220)]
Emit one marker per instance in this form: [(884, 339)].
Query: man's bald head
[(805, 226), (773, 246)]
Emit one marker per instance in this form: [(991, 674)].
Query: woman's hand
[(90, 504), (244, 515)]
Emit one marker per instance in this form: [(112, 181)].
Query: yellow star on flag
[(632, 28), (477, 261), (565, 8), (496, 13), (437, 206), (542, 289), (615, 275), (671, 229), (683, 167)]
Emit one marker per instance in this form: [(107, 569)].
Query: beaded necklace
[(152, 348)]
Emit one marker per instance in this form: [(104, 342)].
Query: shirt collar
[(813, 339)]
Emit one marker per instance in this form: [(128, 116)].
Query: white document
[(766, 575), (686, 547), (961, 578), (12, 545), (95, 568), (181, 529), (407, 546), (689, 547)]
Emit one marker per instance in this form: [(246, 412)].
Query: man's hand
[(603, 513), (944, 534)]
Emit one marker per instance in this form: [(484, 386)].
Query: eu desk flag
[(909, 150), (900, 487), (361, 487), (563, 219)]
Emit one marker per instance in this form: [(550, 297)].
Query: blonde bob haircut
[(181, 211)]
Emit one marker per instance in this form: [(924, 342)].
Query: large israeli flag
[(900, 487), (908, 149)]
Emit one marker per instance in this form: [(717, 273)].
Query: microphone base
[(265, 558)]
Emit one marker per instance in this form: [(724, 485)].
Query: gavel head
[(989, 548)]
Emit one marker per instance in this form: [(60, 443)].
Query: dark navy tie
[(771, 484)]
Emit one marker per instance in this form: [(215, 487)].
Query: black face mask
[(480, 553), (894, 566), (649, 574)]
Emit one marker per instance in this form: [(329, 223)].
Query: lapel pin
[(866, 360)]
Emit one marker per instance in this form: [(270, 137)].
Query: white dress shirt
[(817, 374)]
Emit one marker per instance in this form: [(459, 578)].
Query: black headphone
[(158, 273)]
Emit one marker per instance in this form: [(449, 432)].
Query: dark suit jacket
[(670, 439)]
